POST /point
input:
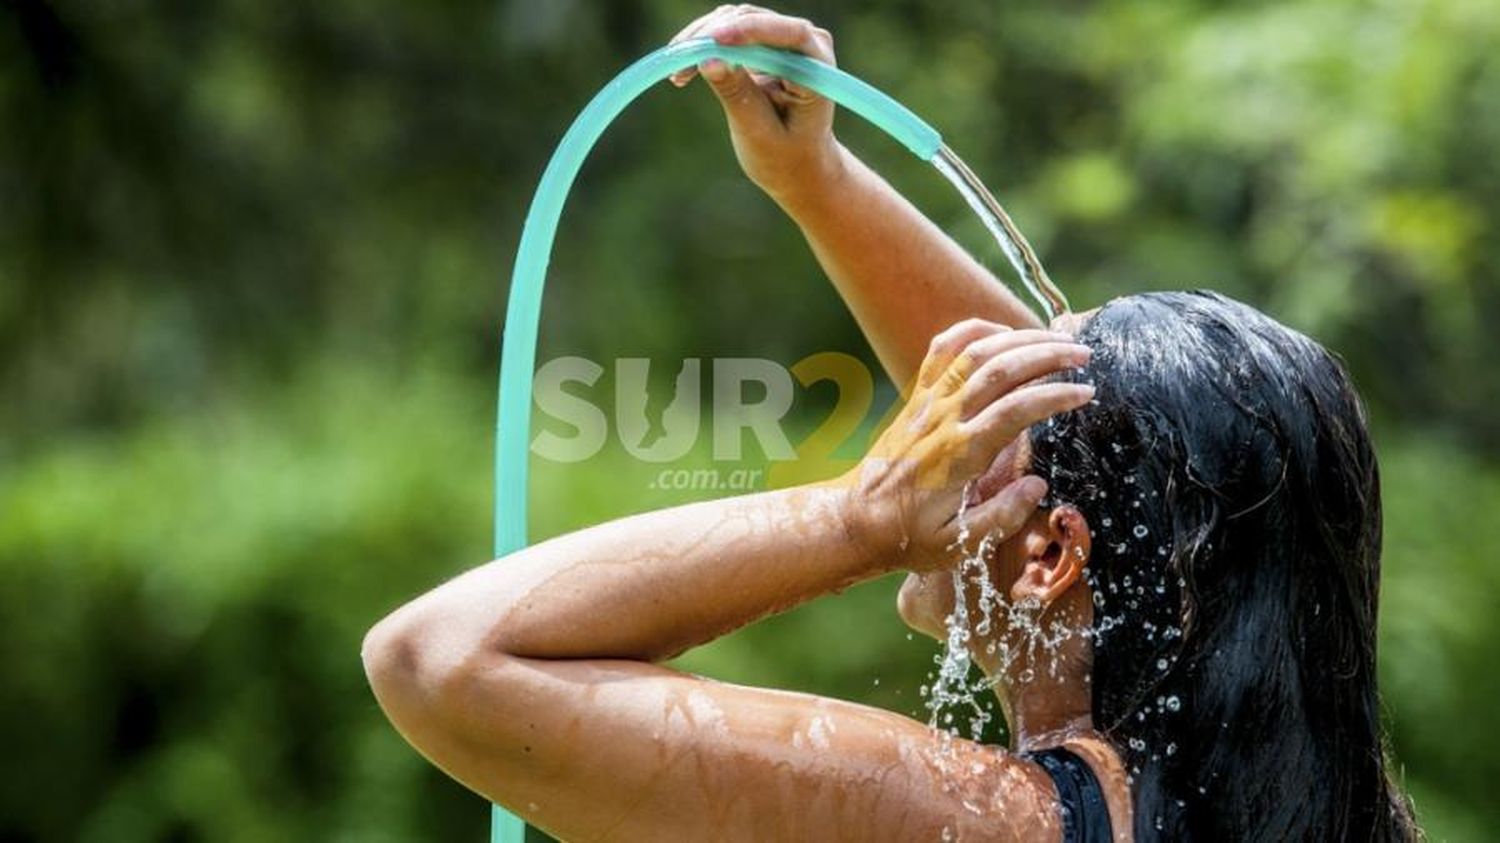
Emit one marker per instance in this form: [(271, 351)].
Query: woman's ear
[(1057, 547)]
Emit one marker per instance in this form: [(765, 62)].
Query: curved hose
[(523, 313), (518, 348)]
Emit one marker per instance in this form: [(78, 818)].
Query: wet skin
[(926, 599), (1043, 691), (535, 679)]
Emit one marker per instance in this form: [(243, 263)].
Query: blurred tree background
[(252, 270)]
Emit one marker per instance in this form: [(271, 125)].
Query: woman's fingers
[(978, 390), (1003, 514), (749, 98), (975, 381), (952, 367), (709, 25), (949, 343), (1016, 366), (1005, 418), (691, 31), (699, 28), (773, 30)]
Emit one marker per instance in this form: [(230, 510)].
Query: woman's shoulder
[(1104, 760), (993, 793)]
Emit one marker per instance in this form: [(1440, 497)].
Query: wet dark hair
[(1228, 478)]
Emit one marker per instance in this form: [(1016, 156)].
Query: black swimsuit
[(1085, 814)]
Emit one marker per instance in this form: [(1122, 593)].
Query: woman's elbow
[(390, 657), (416, 667)]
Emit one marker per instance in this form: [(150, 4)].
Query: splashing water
[(953, 699), (951, 689)]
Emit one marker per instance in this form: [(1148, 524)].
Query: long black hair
[(1227, 474)]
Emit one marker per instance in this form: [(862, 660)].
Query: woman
[(1174, 495)]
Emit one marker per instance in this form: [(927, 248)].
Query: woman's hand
[(973, 397), (782, 132)]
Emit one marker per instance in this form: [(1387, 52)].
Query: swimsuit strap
[(1080, 799)]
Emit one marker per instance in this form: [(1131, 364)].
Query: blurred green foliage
[(251, 274)]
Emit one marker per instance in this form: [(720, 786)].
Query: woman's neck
[(1042, 714), (1043, 685)]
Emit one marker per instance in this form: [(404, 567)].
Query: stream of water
[(1010, 239)]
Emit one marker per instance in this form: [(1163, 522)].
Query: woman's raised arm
[(529, 678), (901, 276)]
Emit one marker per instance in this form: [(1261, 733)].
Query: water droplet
[(1140, 531), (1161, 664), (1174, 704)]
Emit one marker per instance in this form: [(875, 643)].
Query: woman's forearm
[(649, 586), (494, 674), (901, 276)]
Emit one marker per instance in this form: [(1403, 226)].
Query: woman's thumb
[(742, 99), (1006, 512)]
